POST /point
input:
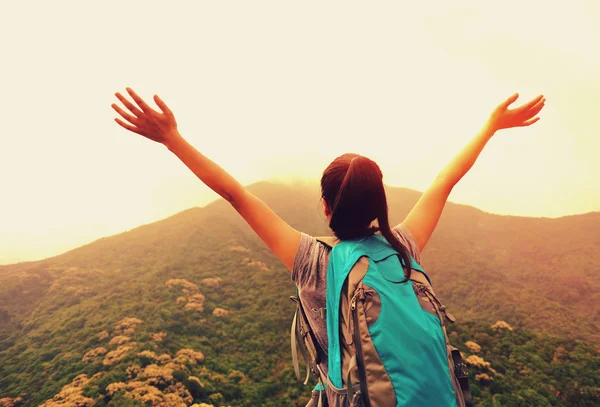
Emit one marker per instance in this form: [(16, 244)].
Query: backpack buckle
[(460, 367), (448, 315), (315, 369)]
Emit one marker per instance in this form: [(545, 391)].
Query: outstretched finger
[(163, 106), (509, 101), (132, 108), (130, 118), (534, 110), (140, 102), (529, 122), (128, 126), (529, 104)]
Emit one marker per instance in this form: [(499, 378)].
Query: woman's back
[(310, 275)]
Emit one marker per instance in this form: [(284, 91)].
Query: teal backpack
[(388, 345)]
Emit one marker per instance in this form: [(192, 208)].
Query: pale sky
[(279, 89)]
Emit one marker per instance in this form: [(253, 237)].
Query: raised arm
[(161, 127), (424, 216)]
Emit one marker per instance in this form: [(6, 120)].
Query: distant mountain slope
[(540, 272), (536, 274)]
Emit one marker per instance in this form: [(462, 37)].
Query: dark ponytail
[(352, 187)]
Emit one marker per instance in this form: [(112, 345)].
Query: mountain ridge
[(259, 187)]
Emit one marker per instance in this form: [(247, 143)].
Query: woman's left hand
[(525, 115)]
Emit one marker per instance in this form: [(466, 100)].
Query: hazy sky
[(278, 89)]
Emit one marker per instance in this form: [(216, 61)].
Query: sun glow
[(277, 90)]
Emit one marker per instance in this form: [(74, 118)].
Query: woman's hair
[(352, 187)]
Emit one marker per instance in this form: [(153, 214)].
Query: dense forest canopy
[(194, 309)]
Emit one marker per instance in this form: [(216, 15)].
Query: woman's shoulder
[(408, 240), (313, 252)]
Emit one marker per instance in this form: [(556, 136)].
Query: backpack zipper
[(357, 344), (440, 308)]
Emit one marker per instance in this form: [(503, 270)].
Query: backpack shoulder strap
[(421, 277), (330, 241), (302, 338)]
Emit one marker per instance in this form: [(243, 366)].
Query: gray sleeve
[(303, 261), (407, 239)]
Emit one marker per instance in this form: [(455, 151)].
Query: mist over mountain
[(194, 308)]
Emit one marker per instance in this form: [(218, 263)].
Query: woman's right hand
[(525, 115), (142, 119)]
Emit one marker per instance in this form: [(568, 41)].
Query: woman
[(352, 192)]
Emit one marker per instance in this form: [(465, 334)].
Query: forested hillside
[(195, 309)]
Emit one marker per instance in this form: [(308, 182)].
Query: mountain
[(194, 308), (7, 259)]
